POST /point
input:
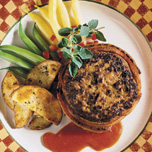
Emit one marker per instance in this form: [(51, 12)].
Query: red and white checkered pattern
[(139, 11)]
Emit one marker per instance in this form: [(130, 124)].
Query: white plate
[(120, 31)]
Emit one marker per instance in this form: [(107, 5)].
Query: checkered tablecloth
[(139, 11)]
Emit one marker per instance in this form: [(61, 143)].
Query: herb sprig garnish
[(70, 43)]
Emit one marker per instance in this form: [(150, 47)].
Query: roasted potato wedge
[(43, 74), (39, 100), (39, 123), (22, 113), (9, 84), (40, 76)]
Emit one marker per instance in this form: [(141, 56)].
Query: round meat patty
[(106, 88)]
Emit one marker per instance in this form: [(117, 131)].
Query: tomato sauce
[(72, 138)]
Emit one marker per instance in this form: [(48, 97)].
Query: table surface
[(139, 11)]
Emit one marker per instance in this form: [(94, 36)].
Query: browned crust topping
[(105, 89)]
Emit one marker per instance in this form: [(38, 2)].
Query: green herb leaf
[(60, 44), (93, 24), (77, 47), (75, 29), (100, 36), (84, 31), (70, 43), (85, 53), (85, 24), (77, 61), (68, 51), (75, 52), (79, 26), (73, 69), (65, 42), (76, 39), (66, 56), (64, 31)]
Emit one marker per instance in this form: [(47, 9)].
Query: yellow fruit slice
[(45, 13), (53, 18), (59, 18), (63, 14), (44, 27), (76, 11), (69, 10)]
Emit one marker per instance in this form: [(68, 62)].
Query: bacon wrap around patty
[(106, 88)]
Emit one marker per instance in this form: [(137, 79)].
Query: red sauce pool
[(72, 138)]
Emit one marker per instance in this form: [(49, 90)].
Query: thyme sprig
[(70, 43)]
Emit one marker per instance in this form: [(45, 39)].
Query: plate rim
[(106, 5)]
